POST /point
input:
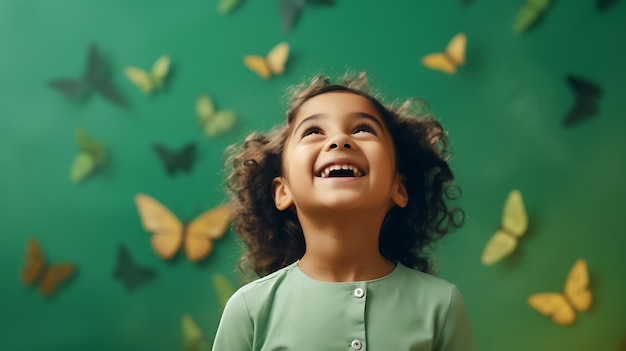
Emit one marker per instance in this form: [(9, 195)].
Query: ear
[(399, 195), (282, 196)]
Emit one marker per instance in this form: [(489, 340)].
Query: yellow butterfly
[(273, 63), (36, 270), (448, 60), (149, 82), (214, 122), (514, 225), (577, 296), (169, 234)]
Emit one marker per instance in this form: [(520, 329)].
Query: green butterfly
[(212, 121), (529, 14), (193, 337), (92, 155), (227, 6), (223, 288)]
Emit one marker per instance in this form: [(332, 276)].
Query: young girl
[(336, 208)]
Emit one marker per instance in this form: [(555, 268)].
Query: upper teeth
[(326, 171)]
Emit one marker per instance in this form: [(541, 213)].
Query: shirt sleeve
[(457, 333), (235, 331)]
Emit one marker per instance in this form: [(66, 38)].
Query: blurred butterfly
[(529, 14), (290, 10), (223, 289), (36, 271), (227, 6), (91, 156), (605, 4), (174, 161), (212, 121), (150, 81), (586, 105), (466, 2), (193, 337), (514, 225), (169, 234), (273, 63), (96, 78), (448, 60), (576, 297), (129, 273)]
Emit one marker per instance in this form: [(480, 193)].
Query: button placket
[(356, 344), (358, 293)]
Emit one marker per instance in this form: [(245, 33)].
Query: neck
[(343, 247)]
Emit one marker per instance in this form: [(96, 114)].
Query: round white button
[(359, 293), (356, 344)]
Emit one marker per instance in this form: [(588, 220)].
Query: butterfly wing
[(129, 273), (223, 121), (277, 57), (456, 49), (142, 79), (205, 109), (514, 218), (160, 69), (553, 305), (290, 12), (529, 14), (210, 225), (54, 276), (227, 6), (586, 105), (258, 65), (73, 89), (82, 166), (34, 262), (193, 337), (440, 62), (500, 245), (166, 228), (577, 286), (223, 288)]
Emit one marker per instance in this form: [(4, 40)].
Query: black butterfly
[(176, 160), (465, 2), (95, 78), (586, 105), (290, 10), (129, 273), (605, 4)]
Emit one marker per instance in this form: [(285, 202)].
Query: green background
[(504, 112)]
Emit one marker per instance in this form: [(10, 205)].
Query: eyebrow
[(358, 114)]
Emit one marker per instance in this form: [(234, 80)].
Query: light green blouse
[(288, 310)]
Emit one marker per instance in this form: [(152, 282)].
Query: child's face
[(340, 156)]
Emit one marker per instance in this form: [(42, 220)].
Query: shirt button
[(359, 293), (356, 344)]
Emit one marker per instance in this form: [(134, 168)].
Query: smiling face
[(339, 156)]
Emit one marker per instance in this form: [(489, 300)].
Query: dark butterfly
[(129, 273), (465, 2), (586, 104), (176, 160), (95, 78), (605, 4), (290, 10)]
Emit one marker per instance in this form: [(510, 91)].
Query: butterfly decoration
[(223, 289), (150, 81), (529, 14), (290, 10), (91, 156), (169, 234), (576, 297), (227, 6), (605, 4), (272, 64), (193, 337), (451, 58), (36, 271), (514, 225), (213, 122), (174, 161), (586, 105), (130, 273), (96, 78)]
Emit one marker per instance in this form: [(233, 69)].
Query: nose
[(339, 141), (334, 146)]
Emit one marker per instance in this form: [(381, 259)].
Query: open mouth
[(345, 170)]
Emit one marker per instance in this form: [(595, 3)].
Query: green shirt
[(288, 310)]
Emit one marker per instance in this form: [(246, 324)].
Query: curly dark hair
[(274, 238)]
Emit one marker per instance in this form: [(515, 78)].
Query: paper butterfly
[(449, 60), (193, 337), (95, 79), (223, 289), (91, 156), (227, 6), (129, 273), (586, 105), (529, 14), (169, 234), (605, 4), (36, 271), (576, 297), (290, 10), (150, 81), (514, 225), (273, 63), (212, 121), (175, 161)]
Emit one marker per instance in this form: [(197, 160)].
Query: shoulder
[(262, 288), (424, 281)]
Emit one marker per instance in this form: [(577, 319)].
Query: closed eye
[(311, 130), (366, 128)]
